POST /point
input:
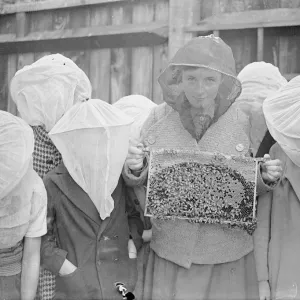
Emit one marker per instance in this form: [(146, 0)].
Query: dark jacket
[(98, 248)]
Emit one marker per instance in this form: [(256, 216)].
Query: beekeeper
[(201, 260)]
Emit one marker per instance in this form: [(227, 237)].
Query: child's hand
[(132, 249), (67, 268), (264, 290), (135, 157), (147, 235), (271, 169)]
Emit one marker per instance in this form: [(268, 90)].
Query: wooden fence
[(123, 45)]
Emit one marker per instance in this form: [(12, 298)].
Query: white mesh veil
[(282, 113), (46, 89)]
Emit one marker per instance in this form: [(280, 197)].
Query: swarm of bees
[(202, 193)]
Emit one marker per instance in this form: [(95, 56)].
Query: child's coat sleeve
[(136, 226), (52, 257)]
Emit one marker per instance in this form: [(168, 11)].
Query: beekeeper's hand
[(67, 268), (135, 156), (271, 169), (264, 290), (132, 249)]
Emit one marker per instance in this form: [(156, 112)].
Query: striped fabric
[(45, 158)]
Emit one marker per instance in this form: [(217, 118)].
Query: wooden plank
[(216, 32), (80, 58), (120, 57), (142, 57), (289, 43), (7, 24), (270, 35), (50, 5), (160, 52), (127, 35), (80, 18), (290, 76), (61, 19), (39, 55), (100, 58), (249, 19), (181, 14), (3, 82), (40, 21), (242, 42), (11, 71), (260, 44), (22, 24), (290, 3), (24, 60)]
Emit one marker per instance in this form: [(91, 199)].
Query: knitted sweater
[(179, 241)]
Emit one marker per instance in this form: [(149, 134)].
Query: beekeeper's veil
[(18, 181), (93, 139), (208, 52), (282, 113), (46, 89), (259, 81), (138, 107), (16, 148)]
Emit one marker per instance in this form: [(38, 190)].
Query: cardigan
[(180, 241)]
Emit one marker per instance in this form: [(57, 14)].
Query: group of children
[(73, 174)]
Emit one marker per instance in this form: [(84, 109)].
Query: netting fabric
[(259, 81), (46, 89), (93, 139), (208, 52), (282, 113), (138, 107), (16, 148)]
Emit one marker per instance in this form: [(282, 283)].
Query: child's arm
[(32, 241), (30, 267)]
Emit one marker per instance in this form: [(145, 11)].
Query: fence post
[(181, 14)]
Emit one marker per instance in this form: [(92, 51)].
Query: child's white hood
[(93, 138)]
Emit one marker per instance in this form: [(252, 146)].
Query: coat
[(99, 249)]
